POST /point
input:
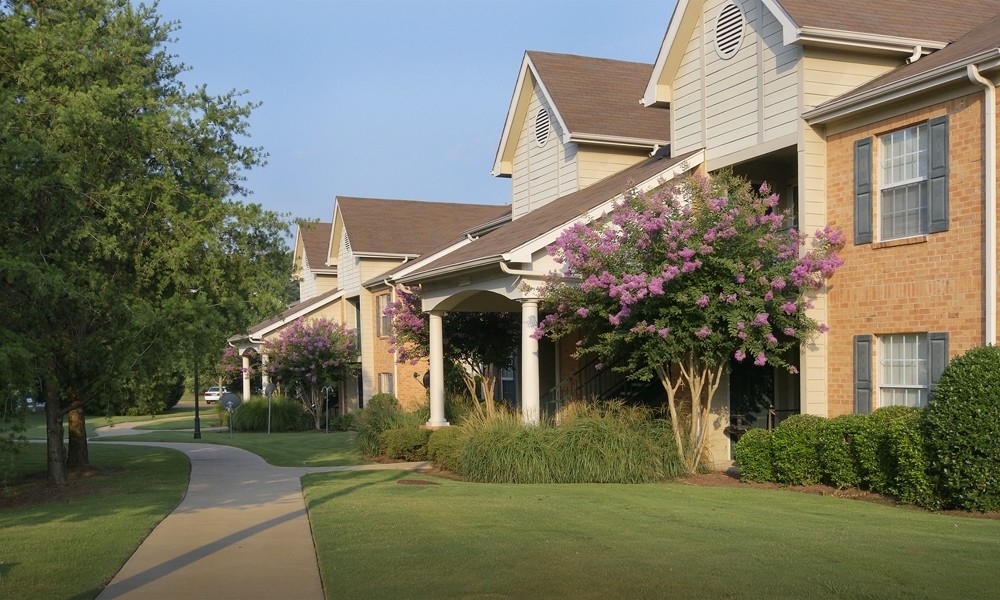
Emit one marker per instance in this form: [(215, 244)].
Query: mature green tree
[(124, 246)]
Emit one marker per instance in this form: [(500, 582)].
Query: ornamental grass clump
[(286, 415), (961, 430)]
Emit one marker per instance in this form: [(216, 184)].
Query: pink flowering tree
[(676, 283), (229, 369), (482, 343), (309, 355)]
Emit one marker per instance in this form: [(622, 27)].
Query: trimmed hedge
[(794, 450), (962, 431), (753, 456), (380, 414), (405, 443), (445, 448), (838, 457), (891, 456)]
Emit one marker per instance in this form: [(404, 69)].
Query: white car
[(213, 394)]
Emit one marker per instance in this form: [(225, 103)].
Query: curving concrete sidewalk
[(240, 532)]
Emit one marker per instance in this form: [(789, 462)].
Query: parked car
[(213, 394)]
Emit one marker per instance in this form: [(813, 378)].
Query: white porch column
[(246, 377), (529, 363), (264, 379), (437, 370)]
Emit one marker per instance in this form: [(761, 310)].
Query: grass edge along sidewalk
[(452, 539), (71, 547)]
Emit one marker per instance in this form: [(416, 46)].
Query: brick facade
[(931, 283)]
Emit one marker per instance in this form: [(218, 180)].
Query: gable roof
[(594, 100), (899, 27), (553, 218), (293, 312), (407, 228), (315, 244), (942, 21), (979, 46)]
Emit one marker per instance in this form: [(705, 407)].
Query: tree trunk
[(55, 450), (79, 453)]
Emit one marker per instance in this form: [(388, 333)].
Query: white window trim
[(883, 186)]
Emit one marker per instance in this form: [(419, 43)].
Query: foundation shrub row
[(943, 456)]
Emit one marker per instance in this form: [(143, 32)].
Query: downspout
[(990, 197)]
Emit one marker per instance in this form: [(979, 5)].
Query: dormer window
[(729, 31)]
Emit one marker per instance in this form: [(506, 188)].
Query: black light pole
[(197, 416)]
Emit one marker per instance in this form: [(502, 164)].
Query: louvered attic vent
[(347, 243), (542, 127), (729, 31)]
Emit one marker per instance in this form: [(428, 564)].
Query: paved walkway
[(240, 532)]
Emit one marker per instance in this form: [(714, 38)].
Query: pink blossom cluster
[(702, 266), (312, 353)]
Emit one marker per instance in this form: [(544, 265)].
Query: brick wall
[(915, 285)]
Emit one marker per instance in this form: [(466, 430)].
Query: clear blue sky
[(390, 98)]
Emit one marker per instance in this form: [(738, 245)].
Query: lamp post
[(197, 416)]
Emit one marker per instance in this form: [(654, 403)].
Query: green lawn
[(71, 547), (35, 422), (462, 540), (308, 449)]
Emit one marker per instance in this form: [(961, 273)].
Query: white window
[(385, 383), (903, 187), (383, 322), (903, 370)]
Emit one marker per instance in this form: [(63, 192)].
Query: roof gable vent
[(541, 127), (729, 31), (346, 244)]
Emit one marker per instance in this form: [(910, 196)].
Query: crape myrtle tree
[(674, 284), (123, 248), (481, 343), (310, 355)]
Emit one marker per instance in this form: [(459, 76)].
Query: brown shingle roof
[(408, 227), (554, 215), (305, 305), (982, 39), (316, 242), (601, 96), (938, 20)]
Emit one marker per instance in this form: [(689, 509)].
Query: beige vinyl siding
[(779, 89), (541, 174), (828, 74), (596, 163), (730, 106), (325, 283), (731, 96), (686, 107), (307, 284)]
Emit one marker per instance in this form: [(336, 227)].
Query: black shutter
[(862, 374), (937, 351), (863, 191), (938, 174)]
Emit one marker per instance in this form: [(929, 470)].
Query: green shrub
[(838, 456), (794, 452), (753, 456), (286, 415), (456, 409), (405, 443), (445, 448), (962, 431), (381, 413), (343, 422), (891, 455)]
